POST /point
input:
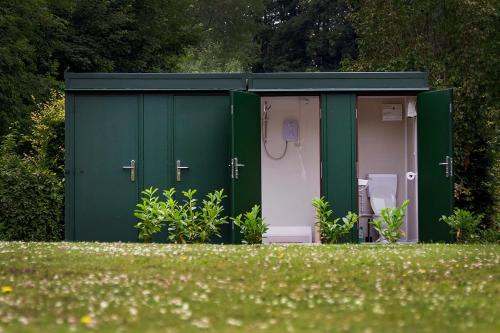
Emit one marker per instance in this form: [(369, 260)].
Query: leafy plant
[(175, 218), (251, 225), (389, 223), (150, 214), (332, 231), (210, 218), (188, 223), (463, 224)]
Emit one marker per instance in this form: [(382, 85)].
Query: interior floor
[(290, 162), (386, 127)]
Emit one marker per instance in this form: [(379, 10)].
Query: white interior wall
[(388, 147), (289, 184)]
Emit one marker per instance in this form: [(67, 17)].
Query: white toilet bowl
[(382, 190)]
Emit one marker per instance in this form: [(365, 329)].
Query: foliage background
[(456, 41)]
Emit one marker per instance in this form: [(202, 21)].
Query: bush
[(389, 223), (186, 222), (332, 231), (490, 235), (464, 225), (31, 197), (177, 218), (47, 133), (210, 220), (150, 214), (251, 225)]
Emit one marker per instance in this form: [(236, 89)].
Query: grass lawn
[(85, 287)]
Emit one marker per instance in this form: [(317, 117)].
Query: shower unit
[(290, 162)]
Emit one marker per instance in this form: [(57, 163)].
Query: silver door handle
[(231, 165), (130, 167), (178, 169), (448, 171), (236, 167)]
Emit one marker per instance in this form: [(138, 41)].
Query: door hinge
[(232, 109), (320, 114), (451, 108), (356, 113), (321, 170)]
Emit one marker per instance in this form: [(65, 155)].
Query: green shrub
[(210, 219), (389, 223), (150, 214), (251, 226), (332, 231), (47, 133), (463, 224), (31, 197), (186, 222), (177, 218), (491, 234)]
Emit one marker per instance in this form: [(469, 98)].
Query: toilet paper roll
[(410, 175)]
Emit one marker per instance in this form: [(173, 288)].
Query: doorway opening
[(386, 161), (290, 165)]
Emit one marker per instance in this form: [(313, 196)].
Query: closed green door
[(338, 154), (106, 186), (201, 147), (157, 151), (245, 154), (435, 164)]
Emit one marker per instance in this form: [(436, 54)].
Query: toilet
[(382, 191)]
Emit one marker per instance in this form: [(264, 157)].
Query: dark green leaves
[(31, 198)]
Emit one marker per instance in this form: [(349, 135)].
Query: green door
[(201, 150), (338, 154), (435, 164), (245, 154), (157, 142), (106, 187)]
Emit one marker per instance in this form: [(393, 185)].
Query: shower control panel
[(291, 130)]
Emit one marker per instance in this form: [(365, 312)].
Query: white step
[(288, 235)]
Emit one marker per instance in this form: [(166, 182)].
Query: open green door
[(435, 164), (245, 154)]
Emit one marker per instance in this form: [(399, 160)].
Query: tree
[(227, 42), (127, 35), (300, 35), (28, 34)]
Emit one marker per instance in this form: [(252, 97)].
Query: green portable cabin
[(273, 139)]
